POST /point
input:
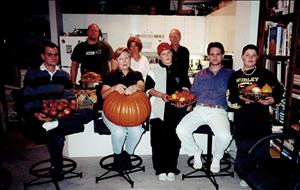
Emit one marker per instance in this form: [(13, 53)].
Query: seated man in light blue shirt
[(210, 87)]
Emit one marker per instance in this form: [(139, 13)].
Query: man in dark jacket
[(48, 82)]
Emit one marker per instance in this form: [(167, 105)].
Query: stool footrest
[(107, 164), (205, 170), (42, 173)]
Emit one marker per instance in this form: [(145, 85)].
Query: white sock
[(197, 160), (215, 165), (50, 125)]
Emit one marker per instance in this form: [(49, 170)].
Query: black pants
[(165, 142), (55, 138), (245, 162)]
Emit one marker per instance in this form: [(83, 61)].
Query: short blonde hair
[(119, 51)]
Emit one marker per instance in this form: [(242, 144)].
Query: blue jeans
[(121, 136)]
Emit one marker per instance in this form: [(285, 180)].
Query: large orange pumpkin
[(127, 110)]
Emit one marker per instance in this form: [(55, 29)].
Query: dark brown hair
[(215, 45), (250, 46), (48, 44), (137, 41)]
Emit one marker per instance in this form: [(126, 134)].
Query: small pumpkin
[(127, 110), (266, 89)]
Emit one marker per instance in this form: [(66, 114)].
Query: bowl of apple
[(57, 109), (183, 97)]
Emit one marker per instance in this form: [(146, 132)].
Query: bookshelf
[(279, 47)]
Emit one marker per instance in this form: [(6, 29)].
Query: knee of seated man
[(226, 137), (180, 130)]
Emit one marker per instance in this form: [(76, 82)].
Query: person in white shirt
[(139, 62)]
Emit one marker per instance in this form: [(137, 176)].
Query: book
[(272, 41)]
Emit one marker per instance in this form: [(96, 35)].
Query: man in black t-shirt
[(94, 55)]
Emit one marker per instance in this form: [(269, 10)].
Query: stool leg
[(206, 167), (136, 166)]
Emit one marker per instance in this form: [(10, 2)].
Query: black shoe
[(57, 174), (117, 165), (126, 161)]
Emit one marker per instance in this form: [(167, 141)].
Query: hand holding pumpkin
[(131, 89), (119, 88)]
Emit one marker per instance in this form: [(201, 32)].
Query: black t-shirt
[(93, 58), (252, 120), (117, 77)]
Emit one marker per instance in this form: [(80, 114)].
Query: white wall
[(120, 27), (221, 27), (246, 27), (234, 25)]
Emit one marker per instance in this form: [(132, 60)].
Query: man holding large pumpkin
[(122, 92)]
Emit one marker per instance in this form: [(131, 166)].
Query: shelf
[(280, 18), (276, 57), (280, 53)]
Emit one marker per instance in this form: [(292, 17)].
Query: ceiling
[(163, 7)]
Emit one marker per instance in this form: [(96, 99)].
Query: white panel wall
[(119, 27), (194, 34), (246, 28), (221, 27)]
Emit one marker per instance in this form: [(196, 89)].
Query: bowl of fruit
[(57, 109), (90, 80), (254, 92), (183, 97)]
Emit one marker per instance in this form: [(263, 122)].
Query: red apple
[(53, 113), (73, 105), (60, 106), (67, 111), (45, 110), (60, 114)]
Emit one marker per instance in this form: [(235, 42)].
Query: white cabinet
[(155, 24), (172, 22), (194, 34), (120, 27)]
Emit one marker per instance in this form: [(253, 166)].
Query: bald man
[(181, 55), (94, 55)]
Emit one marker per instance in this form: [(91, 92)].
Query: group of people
[(126, 71)]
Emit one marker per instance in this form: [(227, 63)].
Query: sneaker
[(197, 160), (50, 125), (171, 176), (243, 183), (215, 166), (162, 177)]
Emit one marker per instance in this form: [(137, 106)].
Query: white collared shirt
[(43, 68)]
